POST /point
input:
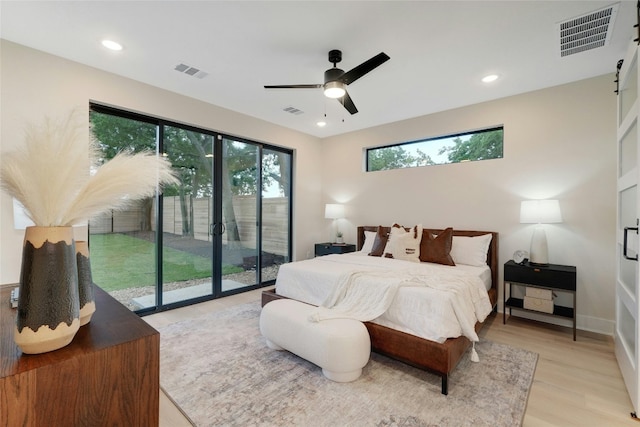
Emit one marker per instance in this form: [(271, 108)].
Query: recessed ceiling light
[(321, 124), (490, 78), (110, 44)]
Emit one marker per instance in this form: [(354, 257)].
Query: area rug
[(220, 372)]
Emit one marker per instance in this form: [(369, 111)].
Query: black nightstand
[(334, 248), (557, 278)]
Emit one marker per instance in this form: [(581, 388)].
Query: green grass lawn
[(119, 261)]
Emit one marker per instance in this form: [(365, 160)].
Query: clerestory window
[(461, 147)]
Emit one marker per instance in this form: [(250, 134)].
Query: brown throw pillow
[(436, 249), (379, 243)]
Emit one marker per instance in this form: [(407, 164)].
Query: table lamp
[(334, 211), (539, 212)]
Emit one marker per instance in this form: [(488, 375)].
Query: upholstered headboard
[(492, 252)]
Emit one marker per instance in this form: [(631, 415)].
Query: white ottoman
[(341, 347)]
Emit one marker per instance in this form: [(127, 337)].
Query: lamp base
[(538, 264), (539, 254)]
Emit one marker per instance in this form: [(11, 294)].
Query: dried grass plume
[(50, 174)]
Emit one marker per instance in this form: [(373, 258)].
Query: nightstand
[(553, 277), (334, 248)]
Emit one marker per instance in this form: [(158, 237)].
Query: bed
[(439, 356)]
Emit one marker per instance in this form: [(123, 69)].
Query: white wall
[(558, 143), (34, 85)]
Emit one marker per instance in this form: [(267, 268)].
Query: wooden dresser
[(108, 375)]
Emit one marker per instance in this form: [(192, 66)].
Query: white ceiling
[(439, 50)]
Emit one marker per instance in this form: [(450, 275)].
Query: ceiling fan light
[(334, 89)]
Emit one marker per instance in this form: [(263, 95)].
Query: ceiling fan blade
[(293, 87), (362, 69), (348, 103)]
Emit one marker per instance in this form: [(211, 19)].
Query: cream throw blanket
[(365, 295)]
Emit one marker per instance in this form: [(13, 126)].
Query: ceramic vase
[(48, 305), (85, 282)]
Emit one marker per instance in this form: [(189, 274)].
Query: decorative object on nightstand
[(339, 238), (539, 212), (335, 212), (333, 248), (519, 256), (540, 284)]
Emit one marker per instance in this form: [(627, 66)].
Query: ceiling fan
[(336, 80)]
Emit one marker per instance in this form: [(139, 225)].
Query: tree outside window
[(471, 146)]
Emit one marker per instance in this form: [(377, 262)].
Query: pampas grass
[(50, 175)]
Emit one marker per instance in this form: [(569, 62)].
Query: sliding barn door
[(627, 331)]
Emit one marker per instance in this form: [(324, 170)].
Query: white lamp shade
[(540, 212), (333, 211)]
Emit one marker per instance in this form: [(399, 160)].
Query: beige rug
[(218, 369)]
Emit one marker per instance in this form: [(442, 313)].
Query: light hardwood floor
[(575, 384)]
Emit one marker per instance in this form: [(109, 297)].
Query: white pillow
[(470, 250), (369, 239), (402, 244)]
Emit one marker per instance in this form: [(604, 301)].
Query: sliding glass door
[(187, 214), (123, 242), (240, 181), (275, 211), (255, 200), (224, 228)]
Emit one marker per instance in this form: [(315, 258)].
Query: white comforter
[(427, 300)]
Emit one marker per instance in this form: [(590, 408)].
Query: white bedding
[(418, 310)]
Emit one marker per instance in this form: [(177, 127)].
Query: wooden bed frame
[(431, 356)]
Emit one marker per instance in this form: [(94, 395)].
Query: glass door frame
[(223, 223), (216, 266), (163, 141)]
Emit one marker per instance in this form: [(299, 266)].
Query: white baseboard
[(595, 324)]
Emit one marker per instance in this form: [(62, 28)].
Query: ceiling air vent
[(587, 32), (191, 71), (293, 110)]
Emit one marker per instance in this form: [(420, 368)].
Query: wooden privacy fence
[(138, 217)]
